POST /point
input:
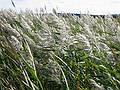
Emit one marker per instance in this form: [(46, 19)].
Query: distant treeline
[(79, 15)]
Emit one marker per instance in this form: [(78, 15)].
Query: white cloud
[(29, 4), (5, 4), (93, 6)]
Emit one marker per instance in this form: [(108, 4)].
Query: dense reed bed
[(40, 51)]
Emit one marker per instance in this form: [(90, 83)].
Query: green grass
[(50, 52)]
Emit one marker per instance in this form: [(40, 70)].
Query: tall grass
[(40, 51)]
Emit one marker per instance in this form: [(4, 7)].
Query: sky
[(98, 7)]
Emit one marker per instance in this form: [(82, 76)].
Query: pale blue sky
[(73, 6)]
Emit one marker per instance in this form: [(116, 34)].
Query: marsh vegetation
[(54, 52)]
